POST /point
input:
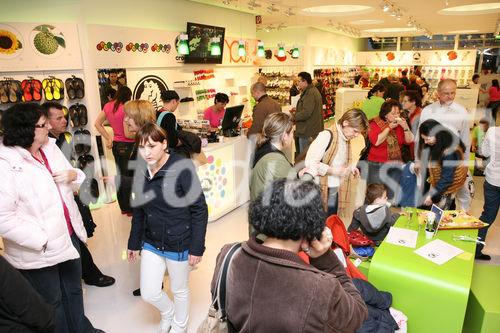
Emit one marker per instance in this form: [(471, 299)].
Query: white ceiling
[(423, 12)]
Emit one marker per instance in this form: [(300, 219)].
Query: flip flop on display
[(73, 114), (70, 89), (82, 114)]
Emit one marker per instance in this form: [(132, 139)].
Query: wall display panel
[(39, 46)]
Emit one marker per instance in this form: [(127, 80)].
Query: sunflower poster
[(39, 46)]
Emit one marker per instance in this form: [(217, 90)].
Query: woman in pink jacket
[(39, 220)]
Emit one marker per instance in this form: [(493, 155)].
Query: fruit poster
[(39, 46)]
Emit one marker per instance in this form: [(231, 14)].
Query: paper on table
[(294, 101), (402, 237), (438, 251)]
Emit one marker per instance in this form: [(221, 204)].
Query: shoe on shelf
[(103, 281), (483, 256)]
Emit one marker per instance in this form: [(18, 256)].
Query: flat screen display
[(199, 38)]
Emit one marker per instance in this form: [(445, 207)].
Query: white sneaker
[(165, 324)]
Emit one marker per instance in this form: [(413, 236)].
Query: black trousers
[(61, 286), (121, 153)]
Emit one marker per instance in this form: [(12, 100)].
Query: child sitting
[(375, 218)]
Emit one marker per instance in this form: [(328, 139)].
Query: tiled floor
[(115, 310)]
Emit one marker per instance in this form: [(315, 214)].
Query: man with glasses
[(455, 117), (57, 122)]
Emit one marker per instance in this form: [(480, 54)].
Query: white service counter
[(225, 178)]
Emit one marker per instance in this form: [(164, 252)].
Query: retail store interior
[(73, 51)]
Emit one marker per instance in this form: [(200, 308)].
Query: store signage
[(149, 88)]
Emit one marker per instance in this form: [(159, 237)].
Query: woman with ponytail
[(371, 105)]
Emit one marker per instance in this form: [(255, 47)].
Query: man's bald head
[(446, 83), (447, 90), (258, 90)]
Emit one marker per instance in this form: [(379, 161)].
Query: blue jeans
[(61, 286), (333, 201), (490, 210), (303, 143)]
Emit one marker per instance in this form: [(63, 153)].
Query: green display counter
[(483, 310), (433, 297)]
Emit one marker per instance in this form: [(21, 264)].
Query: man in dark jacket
[(264, 107), (91, 274), (308, 113), (22, 309)]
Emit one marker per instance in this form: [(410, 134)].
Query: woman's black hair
[(413, 96), (387, 107), (475, 76), (123, 95), (445, 140), (221, 97), (494, 83), (376, 88), (18, 123), (288, 209)]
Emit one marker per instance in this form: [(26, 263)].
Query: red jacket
[(379, 153)]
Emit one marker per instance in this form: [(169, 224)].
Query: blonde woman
[(137, 114), (330, 155)]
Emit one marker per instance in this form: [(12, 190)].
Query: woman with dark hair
[(215, 113), (387, 134), (292, 296), (39, 220), (444, 153), (494, 102), (169, 226), (122, 142), (371, 105)]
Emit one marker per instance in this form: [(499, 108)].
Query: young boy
[(375, 218)]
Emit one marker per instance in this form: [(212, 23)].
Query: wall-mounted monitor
[(199, 38)]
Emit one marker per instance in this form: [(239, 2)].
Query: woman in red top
[(387, 134), (494, 93)]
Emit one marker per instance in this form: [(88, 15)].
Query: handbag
[(216, 320)]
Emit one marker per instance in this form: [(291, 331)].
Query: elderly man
[(455, 117), (309, 112), (264, 107)]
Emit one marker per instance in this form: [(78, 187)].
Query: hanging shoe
[(70, 89), (47, 89), (82, 114), (73, 114), (80, 88), (36, 90), (4, 98), (58, 88)]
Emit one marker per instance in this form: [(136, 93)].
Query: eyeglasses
[(44, 125)]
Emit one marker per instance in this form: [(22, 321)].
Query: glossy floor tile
[(115, 310)]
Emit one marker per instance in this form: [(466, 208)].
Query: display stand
[(348, 98)]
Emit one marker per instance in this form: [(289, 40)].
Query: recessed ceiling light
[(463, 31), (479, 8), (391, 30), (366, 22), (337, 10)]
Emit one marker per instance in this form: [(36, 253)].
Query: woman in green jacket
[(371, 105)]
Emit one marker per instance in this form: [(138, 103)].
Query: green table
[(483, 310), (434, 297)]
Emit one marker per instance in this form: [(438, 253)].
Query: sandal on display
[(82, 114), (36, 91), (48, 89), (16, 92), (70, 88), (79, 87), (27, 95), (73, 114), (3, 92), (58, 89)]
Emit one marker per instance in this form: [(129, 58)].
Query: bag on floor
[(216, 320)]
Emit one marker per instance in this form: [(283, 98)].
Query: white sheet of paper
[(402, 237), (438, 251), (294, 101)]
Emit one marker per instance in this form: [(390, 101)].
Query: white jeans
[(153, 269), (463, 195)]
